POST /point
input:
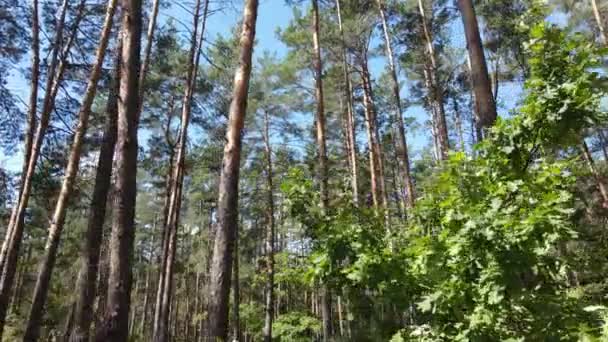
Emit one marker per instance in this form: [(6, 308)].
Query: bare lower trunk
[(436, 94), (269, 289), (34, 80), (227, 206), (372, 136), (350, 116), (52, 244), (12, 241), (402, 149), (236, 298), (598, 178), (322, 172), (600, 23), (484, 100), (115, 325), (87, 275), (161, 326)]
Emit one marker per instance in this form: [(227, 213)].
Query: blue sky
[(272, 14)]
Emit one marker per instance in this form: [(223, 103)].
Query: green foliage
[(295, 326)]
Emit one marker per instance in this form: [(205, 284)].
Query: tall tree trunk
[(269, 289), (322, 172), (436, 93), (161, 326), (32, 330), (236, 292), (599, 21), (147, 53), (484, 100), (402, 150), (350, 116), (115, 325), (458, 124), (598, 178), (227, 215), (34, 81), (372, 135), (86, 282), (144, 319), (12, 241)]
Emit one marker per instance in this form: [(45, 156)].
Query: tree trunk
[(236, 298), (90, 255), (161, 326), (227, 215), (598, 178), (12, 241), (600, 23), (402, 149), (144, 319), (350, 116), (115, 325), (484, 100), (269, 289), (33, 100), (147, 52), (372, 135), (436, 93), (32, 330), (322, 172)]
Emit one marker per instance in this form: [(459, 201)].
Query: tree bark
[(33, 100), (598, 178), (147, 53), (115, 325), (436, 93), (86, 282), (350, 116), (236, 295), (161, 326), (227, 215), (12, 241), (484, 100), (402, 149), (600, 23), (322, 172), (269, 289), (32, 330)]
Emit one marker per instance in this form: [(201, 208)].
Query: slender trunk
[(102, 278), (598, 178), (372, 136), (90, 255), (12, 241), (484, 100), (350, 116), (32, 330), (269, 289), (55, 71), (147, 53), (33, 100), (144, 319), (115, 327), (322, 172), (340, 316), (18, 296), (458, 124), (227, 215), (436, 93), (236, 299), (402, 149), (600, 23), (161, 324), (603, 143)]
